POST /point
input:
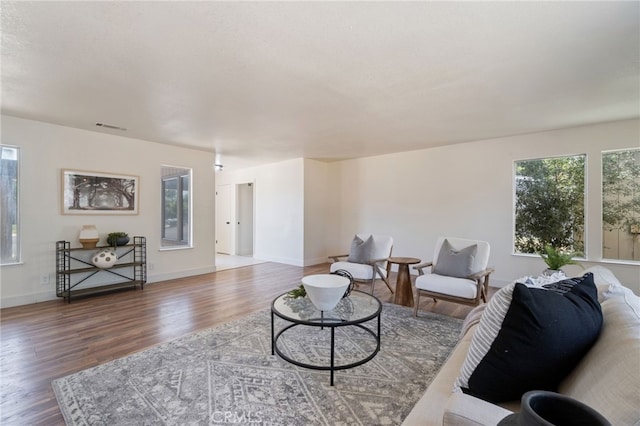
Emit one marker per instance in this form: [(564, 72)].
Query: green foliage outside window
[(176, 207), (549, 206), (621, 204), (9, 214)]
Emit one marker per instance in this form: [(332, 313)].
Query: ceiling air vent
[(110, 126)]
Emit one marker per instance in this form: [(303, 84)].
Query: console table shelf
[(74, 267)]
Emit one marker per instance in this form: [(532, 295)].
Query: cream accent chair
[(378, 267), (470, 290)]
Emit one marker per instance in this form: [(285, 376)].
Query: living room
[(308, 207), (293, 224), (307, 204)]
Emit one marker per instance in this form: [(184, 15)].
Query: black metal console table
[(129, 271)]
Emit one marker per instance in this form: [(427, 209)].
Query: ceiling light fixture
[(111, 126), (218, 167)]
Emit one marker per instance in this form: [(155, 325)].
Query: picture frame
[(97, 193)]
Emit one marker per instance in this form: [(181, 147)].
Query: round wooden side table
[(404, 292)]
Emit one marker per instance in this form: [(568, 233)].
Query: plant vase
[(117, 239), (122, 241), (548, 272), (544, 408)]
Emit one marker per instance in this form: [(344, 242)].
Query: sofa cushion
[(608, 377), (486, 332), (543, 335), (604, 279), (431, 407), (466, 410)]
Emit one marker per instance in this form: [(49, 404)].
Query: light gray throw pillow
[(454, 263), (361, 251)]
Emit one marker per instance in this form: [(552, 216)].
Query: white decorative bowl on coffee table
[(325, 290)]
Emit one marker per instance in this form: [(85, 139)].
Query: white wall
[(279, 209), (319, 212), (304, 209), (466, 190), (292, 214), (46, 149)]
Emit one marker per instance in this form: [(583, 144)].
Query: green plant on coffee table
[(555, 259), (297, 292), (113, 237)]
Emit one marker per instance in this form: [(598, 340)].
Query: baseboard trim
[(27, 299), (179, 274), (285, 260), (45, 296)]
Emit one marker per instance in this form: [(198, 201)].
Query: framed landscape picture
[(92, 193)]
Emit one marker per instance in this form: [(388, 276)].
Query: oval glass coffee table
[(352, 311)]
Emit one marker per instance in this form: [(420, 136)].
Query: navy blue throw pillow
[(543, 337)]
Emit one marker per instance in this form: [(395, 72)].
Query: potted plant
[(555, 259), (117, 239)]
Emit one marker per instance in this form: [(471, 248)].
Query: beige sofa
[(607, 378)]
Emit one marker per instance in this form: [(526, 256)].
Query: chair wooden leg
[(416, 303), (387, 283)]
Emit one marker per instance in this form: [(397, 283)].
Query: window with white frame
[(550, 204), (176, 207), (621, 205), (9, 213)]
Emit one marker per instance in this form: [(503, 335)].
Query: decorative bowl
[(105, 258), (325, 290)]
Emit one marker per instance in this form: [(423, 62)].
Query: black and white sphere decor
[(105, 258)]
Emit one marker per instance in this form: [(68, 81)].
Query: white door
[(224, 219), (244, 245)]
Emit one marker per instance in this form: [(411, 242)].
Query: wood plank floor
[(44, 341)]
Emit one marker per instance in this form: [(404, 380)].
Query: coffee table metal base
[(354, 310), (332, 325)]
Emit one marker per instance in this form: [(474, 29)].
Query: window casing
[(550, 204), (9, 205), (176, 207), (621, 205)]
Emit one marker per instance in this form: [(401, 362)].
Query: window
[(9, 217), (549, 204), (621, 205), (176, 207)]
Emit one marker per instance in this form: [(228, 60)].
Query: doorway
[(234, 220), (224, 219), (244, 215)]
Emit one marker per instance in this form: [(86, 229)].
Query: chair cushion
[(359, 271), (452, 286), (361, 251), (455, 263), (542, 336)]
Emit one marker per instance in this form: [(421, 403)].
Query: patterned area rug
[(226, 375)]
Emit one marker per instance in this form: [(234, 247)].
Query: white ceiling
[(260, 82)]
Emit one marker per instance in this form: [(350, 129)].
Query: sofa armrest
[(466, 410)]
